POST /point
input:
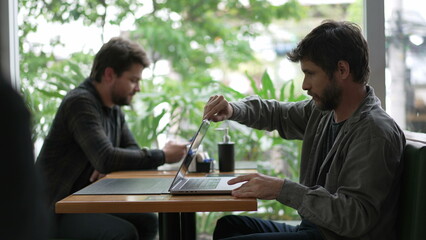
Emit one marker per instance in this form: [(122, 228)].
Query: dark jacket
[(359, 199), (85, 135)]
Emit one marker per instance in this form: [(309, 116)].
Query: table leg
[(169, 226), (188, 226)]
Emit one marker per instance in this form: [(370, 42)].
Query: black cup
[(226, 157), (204, 166)]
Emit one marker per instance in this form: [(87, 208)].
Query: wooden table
[(176, 212)]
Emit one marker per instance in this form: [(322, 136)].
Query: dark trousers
[(102, 226), (247, 228)]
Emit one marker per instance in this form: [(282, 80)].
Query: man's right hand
[(174, 151), (217, 109), (258, 186)]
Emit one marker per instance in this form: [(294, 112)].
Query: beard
[(121, 100), (330, 97)]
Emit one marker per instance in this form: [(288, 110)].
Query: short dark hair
[(119, 54), (332, 42)]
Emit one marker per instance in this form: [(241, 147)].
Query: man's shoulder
[(78, 99), (79, 94), (371, 119), (379, 118), (378, 124)]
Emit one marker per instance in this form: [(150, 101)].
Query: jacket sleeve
[(129, 142), (84, 121), (289, 119)]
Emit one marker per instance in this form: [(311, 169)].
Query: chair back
[(412, 211)]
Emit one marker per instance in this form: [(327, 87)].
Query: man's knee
[(230, 220), (224, 227), (223, 222), (95, 226)]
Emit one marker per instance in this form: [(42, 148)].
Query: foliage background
[(194, 39)]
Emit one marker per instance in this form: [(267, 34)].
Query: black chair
[(412, 212)]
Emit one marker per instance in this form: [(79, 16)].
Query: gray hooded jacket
[(359, 199)]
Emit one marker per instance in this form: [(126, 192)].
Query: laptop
[(180, 184)]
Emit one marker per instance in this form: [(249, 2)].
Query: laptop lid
[(210, 185), (191, 153)]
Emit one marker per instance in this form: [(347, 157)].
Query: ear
[(109, 75), (343, 69)]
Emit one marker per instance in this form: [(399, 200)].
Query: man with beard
[(89, 137), (352, 150)]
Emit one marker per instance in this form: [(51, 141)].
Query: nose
[(306, 85), (137, 87)]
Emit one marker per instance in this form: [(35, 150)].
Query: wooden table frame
[(176, 212)]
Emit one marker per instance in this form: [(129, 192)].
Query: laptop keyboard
[(209, 183)]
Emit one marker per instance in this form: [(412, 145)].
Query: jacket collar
[(369, 102), (87, 84)]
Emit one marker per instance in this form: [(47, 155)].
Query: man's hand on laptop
[(174, 151), (258, 186), (217, 109), (96, 176)]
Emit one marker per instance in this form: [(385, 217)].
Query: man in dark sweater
[(89, 137)]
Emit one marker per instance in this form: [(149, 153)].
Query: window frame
[(374, 25), (9, 54)]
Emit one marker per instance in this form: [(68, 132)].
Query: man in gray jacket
[(352, 150)]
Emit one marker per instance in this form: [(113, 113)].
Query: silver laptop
[(180, 184)]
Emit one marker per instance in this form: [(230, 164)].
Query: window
[(405, 28)]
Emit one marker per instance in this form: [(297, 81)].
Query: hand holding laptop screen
[(217, 109)]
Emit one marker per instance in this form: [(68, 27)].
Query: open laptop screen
[(192, 151)]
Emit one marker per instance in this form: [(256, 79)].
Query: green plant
[(193, 36), (43, 97)]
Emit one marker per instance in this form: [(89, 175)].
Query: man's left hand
[(96, 176), (174, 151), (257, 185)]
